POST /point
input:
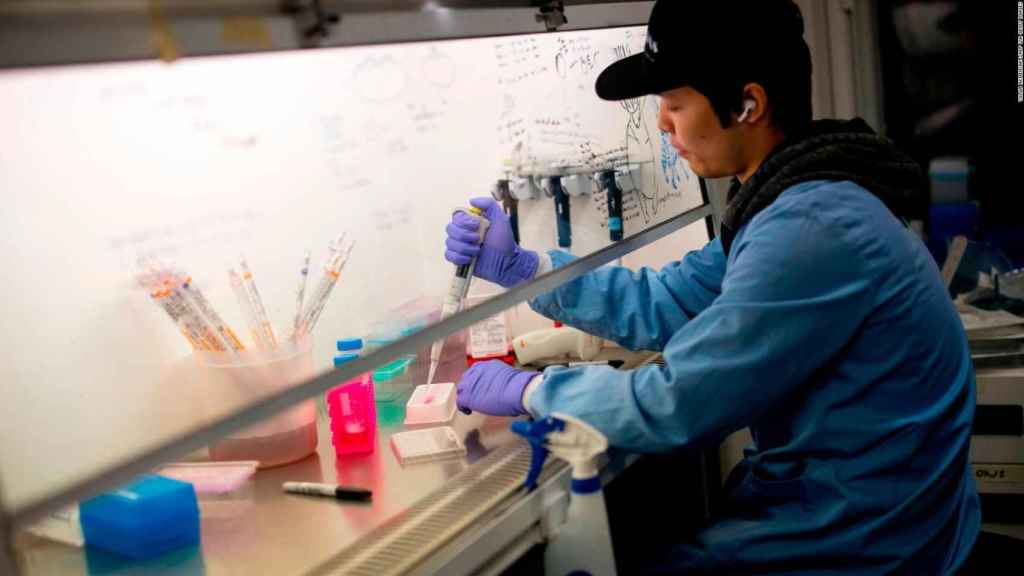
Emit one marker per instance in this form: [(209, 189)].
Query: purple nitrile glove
[(493, 388), (499, 258)]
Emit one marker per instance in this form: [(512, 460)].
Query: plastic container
[(144, 519), (353, 414), (431, 404), (391, 380), (489, 338), (232, 381)]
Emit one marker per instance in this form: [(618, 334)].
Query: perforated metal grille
[(407, 539)]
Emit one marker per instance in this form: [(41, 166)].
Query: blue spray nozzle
[(536, 433)]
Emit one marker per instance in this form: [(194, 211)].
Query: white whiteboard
[(204, 159)]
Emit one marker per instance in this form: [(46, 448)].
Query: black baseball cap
[(691, 41)]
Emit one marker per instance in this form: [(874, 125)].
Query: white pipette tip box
[(425, 445), (431, 404)]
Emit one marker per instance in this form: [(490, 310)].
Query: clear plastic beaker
[(232, 381)]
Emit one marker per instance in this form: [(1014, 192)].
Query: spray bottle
[(583, 545)]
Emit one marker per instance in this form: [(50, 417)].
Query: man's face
[(687, 117)]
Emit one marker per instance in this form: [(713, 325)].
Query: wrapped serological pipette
[(332, 271), (186, 306), (300, 292), (195, 297), (245, 304), (257, 303), (162, 298)]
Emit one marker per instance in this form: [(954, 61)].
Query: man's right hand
[(499, 258)]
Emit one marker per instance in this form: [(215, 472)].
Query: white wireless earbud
[(748, 109)]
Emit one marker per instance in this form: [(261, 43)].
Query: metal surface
[(408, 540), (229, 7), (276, 533), (176, 447), (41, 33), (509, 534)]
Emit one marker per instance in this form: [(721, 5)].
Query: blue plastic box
[(143, 519)]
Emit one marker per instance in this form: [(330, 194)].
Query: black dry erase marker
[(329, 490)]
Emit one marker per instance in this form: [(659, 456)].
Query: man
[(816, 319)]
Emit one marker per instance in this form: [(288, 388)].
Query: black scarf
[(829, 150)]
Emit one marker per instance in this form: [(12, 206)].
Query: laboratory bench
[(498, 522)]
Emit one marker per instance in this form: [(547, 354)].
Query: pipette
[(457, 291), (191, 314), (332, 270), (300, 293), (245, 304), (162, 298), (257, 302), (207, 312)]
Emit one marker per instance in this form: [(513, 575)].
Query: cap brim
[(632, 77)]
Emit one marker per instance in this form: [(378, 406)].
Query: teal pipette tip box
[(144, 519)]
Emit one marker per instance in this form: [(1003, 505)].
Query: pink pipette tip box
[(431, 404)]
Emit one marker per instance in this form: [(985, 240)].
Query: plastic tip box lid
[(146, 518), (350, 344), (391, 371), (429, 444), (212, 477), (343, 358)]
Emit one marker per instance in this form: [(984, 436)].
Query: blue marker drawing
[(670, 162)]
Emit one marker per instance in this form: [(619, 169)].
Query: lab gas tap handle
[(553, 188), (502, 192), (608, 180), (524, 188), (577, 185)]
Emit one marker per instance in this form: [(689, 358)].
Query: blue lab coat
[(828, 332)]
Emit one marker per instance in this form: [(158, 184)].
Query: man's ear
[(755, 105)]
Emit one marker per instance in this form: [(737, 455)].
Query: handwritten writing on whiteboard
[(427, 117), (518, 60), (215, 228), (379, 79), (438, 68), (393, 218), (218, 121), (511, 132), (632, 209), (575, 55), (342, 142)]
